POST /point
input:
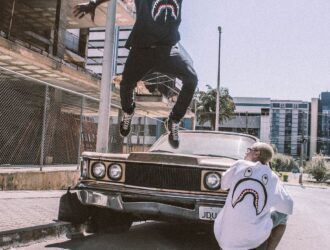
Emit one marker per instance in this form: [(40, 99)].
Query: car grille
[(162, 176)]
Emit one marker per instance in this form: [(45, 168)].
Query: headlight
[(84, 168), (98, 170), (115, 172), (212, 181)]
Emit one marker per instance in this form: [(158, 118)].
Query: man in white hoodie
[(257, 205)]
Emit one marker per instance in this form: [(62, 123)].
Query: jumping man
[(153, 47)]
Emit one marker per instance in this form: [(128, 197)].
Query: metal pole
[(11, 18), (106, 82), (246, 123), (195, 117), (302, 145), (144, 131), (44, 125), (80, 129), (217, 108)]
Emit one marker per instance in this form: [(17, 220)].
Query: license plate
[(208, 213)]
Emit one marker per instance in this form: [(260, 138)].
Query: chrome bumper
[(115, 202)]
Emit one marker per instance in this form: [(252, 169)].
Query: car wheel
[(108, 221)]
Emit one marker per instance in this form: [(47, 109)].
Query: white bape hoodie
[(254, 191)]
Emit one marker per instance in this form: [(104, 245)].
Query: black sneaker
[(125, 124), (173, 128)]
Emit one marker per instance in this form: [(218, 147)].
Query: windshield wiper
[(161, 151), (212, 155), (208, 155)]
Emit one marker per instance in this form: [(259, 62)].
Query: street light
[(302, 147), (217, 108)]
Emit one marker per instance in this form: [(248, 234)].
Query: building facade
[(284, 123), (289, 126), (323, 140), (252, 116)]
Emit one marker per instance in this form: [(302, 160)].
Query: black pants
[(166, 60)]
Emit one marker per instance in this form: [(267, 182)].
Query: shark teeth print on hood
[(170, 8), (250, 186)]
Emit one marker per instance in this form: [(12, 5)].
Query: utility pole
[(302, 147), (246, 123), (106, 82), (195, 116), (217, 108)]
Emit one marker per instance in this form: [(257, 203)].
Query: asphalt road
[(308, 228)]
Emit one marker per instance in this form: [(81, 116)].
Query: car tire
[(71, 209), (104, 220)]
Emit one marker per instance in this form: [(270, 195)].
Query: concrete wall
[(38, 180), (265, 128)]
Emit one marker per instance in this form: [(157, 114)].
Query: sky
[(278, 49)]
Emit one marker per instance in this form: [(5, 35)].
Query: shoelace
[(127, 121), (175, 131)]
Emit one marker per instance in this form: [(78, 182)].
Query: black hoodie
[(157, 23)]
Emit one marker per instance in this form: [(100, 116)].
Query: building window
[(287, 131), (301, 123), (303, 106), (94, 60), (96, 44), (265, 112)]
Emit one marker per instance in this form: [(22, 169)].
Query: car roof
[(218, 132)]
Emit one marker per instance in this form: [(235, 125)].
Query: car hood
[(165, 158), (95, 155), (216, 161), (182, 159)]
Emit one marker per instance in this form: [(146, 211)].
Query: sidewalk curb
[(19, 237), (304, 186)]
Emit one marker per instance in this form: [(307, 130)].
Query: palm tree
[(206, 103)]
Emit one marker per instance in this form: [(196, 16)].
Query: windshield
[(209, 144)]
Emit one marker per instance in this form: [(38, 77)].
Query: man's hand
[(81, 10)]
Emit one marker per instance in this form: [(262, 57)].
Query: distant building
[(323, 145), (289, 125), (251, 117), (314, 111), (283, 123)]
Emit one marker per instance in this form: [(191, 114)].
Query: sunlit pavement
[(20, 209), (307, 228)]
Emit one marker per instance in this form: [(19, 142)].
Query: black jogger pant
[(166, 60)]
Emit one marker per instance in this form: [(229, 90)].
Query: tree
[(206, 106)]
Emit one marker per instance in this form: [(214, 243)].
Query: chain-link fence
[(40, 124)]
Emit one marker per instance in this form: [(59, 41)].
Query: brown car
[(163, 183)]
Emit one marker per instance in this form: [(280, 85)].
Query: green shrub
[(283, 163), (318, 168)]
